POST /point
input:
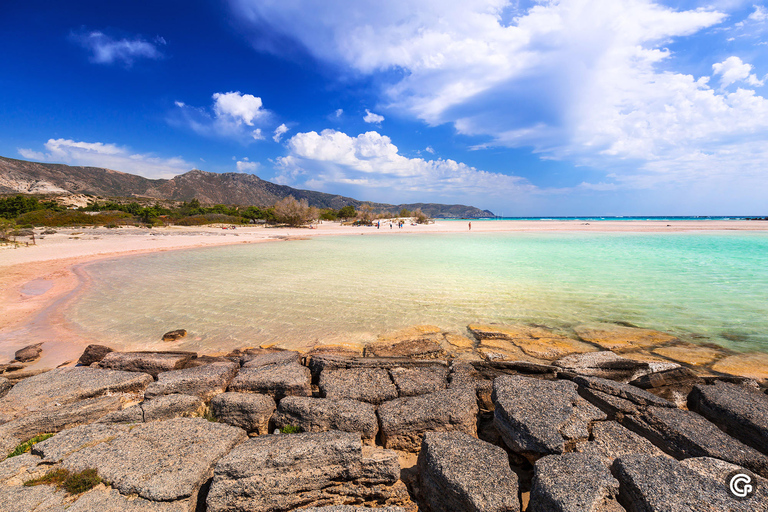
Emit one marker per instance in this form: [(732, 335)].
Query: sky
[(525, 108)]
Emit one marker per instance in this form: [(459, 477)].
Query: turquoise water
[(704, 287)]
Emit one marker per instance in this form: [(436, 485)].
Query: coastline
[(37, 282)]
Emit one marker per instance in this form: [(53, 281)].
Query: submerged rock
[(752, 365), (174, 335), (29, 353), (620, 338), (533, 341)]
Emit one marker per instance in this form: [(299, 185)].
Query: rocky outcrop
[(741, 412), (29, 353), (147, 362), (533, 341), (204, 381), (463, 474), (281, 472), (573, 482), (93, 354), (322, 414), (372, 385), (249, 411), (276, 380), (537, 417), (404, 420)]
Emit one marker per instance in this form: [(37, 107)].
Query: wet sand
[(37, 282)]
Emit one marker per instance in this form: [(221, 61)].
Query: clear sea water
[(704, 287)]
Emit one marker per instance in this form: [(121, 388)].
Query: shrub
[(421, 217), (347, 212), (25, 447), (295, 213), (208, 218), (73, 483), (290, 429)]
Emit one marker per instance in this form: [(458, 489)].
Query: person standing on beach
[(470, 226)]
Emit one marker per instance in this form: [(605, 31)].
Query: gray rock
[(110, 500), (19, 498), (93, 354), (162, 460), (282, 472), (20, 468), (372, 385), (321, 414), (276, 380), (5, 386), (419, 381), (147, 362), (573, 482), (249, 411), (463, 474), (740, 411), (204, 381), (613, 405), (686, 434), (281, 357), (132, 414), (350, 508), (162, 407), (610, 440), (404, 420), (465, 375), (664, 484), (539, 417), (605, 364), (625, 391), (67, 385), (56, 448), (29, 353), (669, 377), (319, 363), (380, 465)]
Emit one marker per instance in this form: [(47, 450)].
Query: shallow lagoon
[(704, 287)]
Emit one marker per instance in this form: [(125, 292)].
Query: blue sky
[(571, 107)]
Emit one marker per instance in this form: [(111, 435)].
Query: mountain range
[(21, 176)]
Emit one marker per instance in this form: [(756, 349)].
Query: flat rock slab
[(419, 381), (93, 354), (57, 448), (110, 500), (539, 417), (626, 391), (281, 357), (68, 385), (573, 482), (162, 407), (740, 411), (372, 385), (404, 420), (204, 381), (159, 461), (686, 434), (147, 362), (690, 354), (664, 484), (534, 341), (318, 363), (419, 348), (620, 338), (610, 440), (753, 365), (29, 353), (276, 380), (321, 414), (607, 365), (282, 472), (463, 474), (350, 508), (19, 498), (249, 411)]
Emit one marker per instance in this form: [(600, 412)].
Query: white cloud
[(339, 112), (110, 156), (733, 70), (370, 117), (232, 115), (245, 165), (279, 132), (108, 50), (760, 14), (430, 149), (590, 81), (371, 163)]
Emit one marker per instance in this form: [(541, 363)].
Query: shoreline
[(37, 282)]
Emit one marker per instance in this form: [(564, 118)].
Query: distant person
[(470, 226), (378, 225)]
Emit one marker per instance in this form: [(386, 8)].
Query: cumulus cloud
[(279, 132), (232, 115), (593, 82), (110, 156), (370, 117), (105, 49), (760, 14), (733, 70), (245, 165), (373, 165)]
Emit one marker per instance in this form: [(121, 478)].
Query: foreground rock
[(419, 381), (662, 483), (741, 412), (606, 364), (278, 473), (29, 353), (372, 385), (537, 417), (276, 380), (463, 474), (147, 362), (93, 354), (533, 341), (321, 414), (204, 381), (163, 407), (573, 482), (159, 461), (610, 440), (249, 411), (403, 421)]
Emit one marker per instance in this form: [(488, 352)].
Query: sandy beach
[(37, 281)]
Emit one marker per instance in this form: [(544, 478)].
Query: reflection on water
[(705, 287)]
